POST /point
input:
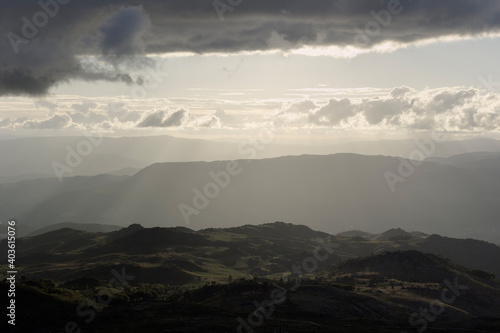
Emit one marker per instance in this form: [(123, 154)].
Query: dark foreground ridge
[(274, 277)]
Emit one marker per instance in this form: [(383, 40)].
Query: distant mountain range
[(29, 158), (331, 193), (483, 160), (90, 227)]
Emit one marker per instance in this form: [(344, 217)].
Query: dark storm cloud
[(249, 26), (122, 32), (40, 47)]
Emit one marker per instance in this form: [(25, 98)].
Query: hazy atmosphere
[(250, 165)]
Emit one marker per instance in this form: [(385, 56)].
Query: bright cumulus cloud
[(452, 109)]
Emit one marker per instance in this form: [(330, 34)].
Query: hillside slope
[(179, 280)]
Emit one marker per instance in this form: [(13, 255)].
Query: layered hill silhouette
[(262, 250), (30, 158), (329, 193), (185, 280), (91, 227), (484, 160)]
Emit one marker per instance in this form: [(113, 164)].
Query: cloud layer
[(454, 109), (49, 42), (42, 46), (402, 108)]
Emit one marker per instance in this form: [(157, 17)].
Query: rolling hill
[(182, 280)]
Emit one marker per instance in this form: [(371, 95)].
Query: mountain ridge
[(175, 271), (278, 237), (341, 191)]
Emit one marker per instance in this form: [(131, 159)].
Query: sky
[(313, 71)]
